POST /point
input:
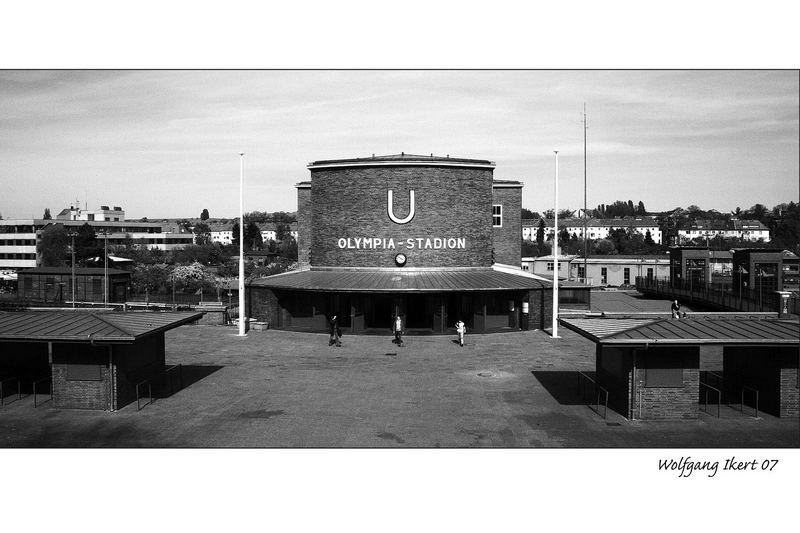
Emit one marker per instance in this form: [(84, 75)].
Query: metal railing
[(745, 388), (3, 390), (35, 383), (168, 376), (715, 380), (711, 294), (707, 389), (149, 394), (584, 384)]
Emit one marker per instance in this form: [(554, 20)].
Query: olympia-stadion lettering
[(411, 243), (419, 243)]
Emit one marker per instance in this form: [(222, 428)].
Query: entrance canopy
[(82, 326), (367, 281), (687, 331)]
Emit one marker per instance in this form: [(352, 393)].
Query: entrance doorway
[(419, 311)]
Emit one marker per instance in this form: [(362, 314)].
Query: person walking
[(335, 331), (461, 329), (676, 309), (397, 327)]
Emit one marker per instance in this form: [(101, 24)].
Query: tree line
[(782, 220)]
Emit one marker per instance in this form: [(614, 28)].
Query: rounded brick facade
[(451, 227)]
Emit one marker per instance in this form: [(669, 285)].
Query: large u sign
[(390, 209)]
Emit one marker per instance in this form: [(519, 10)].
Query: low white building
[(750, 230), (601, 270), (596, 228)]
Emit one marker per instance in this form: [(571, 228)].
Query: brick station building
[(652, 368), (432, 239)]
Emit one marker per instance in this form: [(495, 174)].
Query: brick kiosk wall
[(540, 309), (303, 222), (790, 393), (451, 202), (507, 240), (659, 403), (262, 304), (80, 394)]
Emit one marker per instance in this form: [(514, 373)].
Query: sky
[(162, 143)]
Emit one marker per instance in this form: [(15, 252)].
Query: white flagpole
[(555, 257), (242, 318)]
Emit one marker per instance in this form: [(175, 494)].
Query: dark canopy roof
[(365, 280), (82, 271), (687, 331), (88, 326)]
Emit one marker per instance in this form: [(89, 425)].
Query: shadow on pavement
[(182, 378), (562, 385)]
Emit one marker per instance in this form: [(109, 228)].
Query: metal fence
[(182, 298), (715, 295)]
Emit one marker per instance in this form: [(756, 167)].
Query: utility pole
[(105, 270), (72, 234), (585, 214), (555, 257)]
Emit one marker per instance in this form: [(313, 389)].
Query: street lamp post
[(242, 318)]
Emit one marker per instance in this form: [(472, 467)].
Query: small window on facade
[(550, 267), (497, 216), (663, 370), (603, 275), (626, 275), (84, 372)]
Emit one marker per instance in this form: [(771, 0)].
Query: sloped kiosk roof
[(686, 331), (83, 326), (365, 280)]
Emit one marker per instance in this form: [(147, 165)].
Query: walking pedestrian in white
[(461, 329)]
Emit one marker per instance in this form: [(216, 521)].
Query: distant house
[(750, 230), (596, 228)]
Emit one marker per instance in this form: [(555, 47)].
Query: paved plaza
[(289, 389)]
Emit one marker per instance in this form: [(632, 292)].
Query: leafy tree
[(540, 237), (758, 212), (205, 254), (527, 214), (529, 249), (604, 247), (252, 237), (53, 247), (204, 215), (549, 214), (565, 213), (202, 233), (288, 248), (47, 215), (282, 231), (87, 244), (235, 237), (640, 208), (151, 278)]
